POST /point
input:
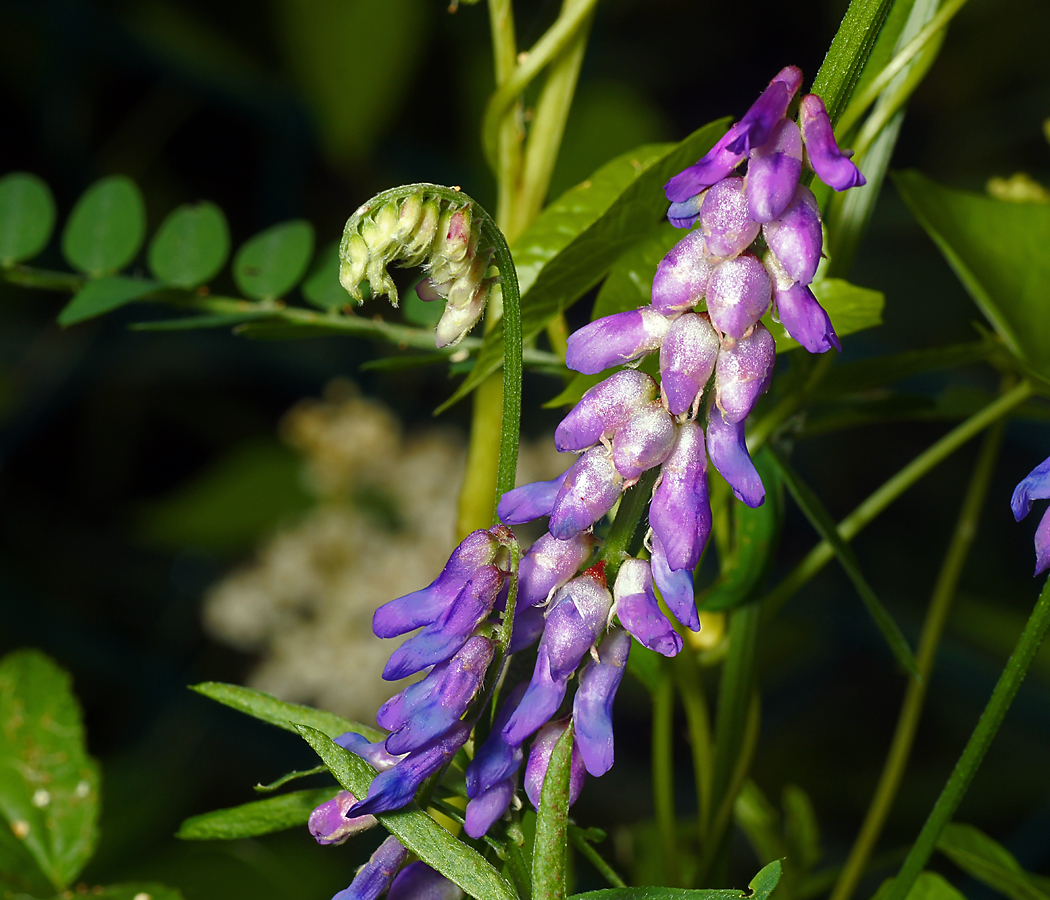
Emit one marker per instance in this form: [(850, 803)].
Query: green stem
[(767, 426), (587, 851), (699, 722), (976, 748), (623, 534), (915, 695), (663, 772), (877, 502), (42, 278), (508, 131)]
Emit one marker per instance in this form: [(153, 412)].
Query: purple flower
[(530, 501), (529, 622), (675, 586), (592, 705), (441, 639), (743, 373), (417, 881), (682, 275), (428, 708), (795, 236), (832, 165), (591, 488), (614, 340), (724, 219), (728, 452), (1035, 486), (543, 696), (638, 612), (548, 564), (680, 511), (375, 755), (477, 549), (375, 875), (540, 759), (603, 409), (738, 295), (496, 760), (773, 172), (396, 787), (686, 212), (644, 442), (329, 824), (687, 360), (805, 319), (485, 809)]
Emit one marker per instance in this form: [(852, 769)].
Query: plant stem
[(791, 404), (699, 721), (877, 502), (507, 130), (622, 535), (976, 748), (663, 772), (915, 694)]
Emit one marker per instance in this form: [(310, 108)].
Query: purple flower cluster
[(416, 881), (1035, 486)]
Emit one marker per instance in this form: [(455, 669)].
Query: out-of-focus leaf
[(423, 313), (760, 821), (762, 886), (574, 241), (191, 245), (414, 828), (263, 706), (988, 861), (232, 504), (928, 886), (106, 227), (826, 527), (104, 295), (192, 323), (998, 251), (48, 784), (270, 264), (882, 51), (354, 92), (252, 819), (800, 827), (644, 664), (136, 890), (870, 373), (549, 854), (27, 217), (322, 287)]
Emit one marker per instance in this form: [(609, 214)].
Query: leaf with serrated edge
[(251, 819), (413, 827)]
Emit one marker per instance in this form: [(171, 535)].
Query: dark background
[(304, 108)]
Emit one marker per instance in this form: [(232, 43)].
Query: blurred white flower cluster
[(383, 525)]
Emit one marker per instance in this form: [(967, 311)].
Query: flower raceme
[(1035, 486)]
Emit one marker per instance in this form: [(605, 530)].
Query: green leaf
[(760, 821), (928, 886), (252, 819), (762, 886), (270, 264), (104, 295), (322, 287), (211, 320), (571, 245), (988, 861), (549, 854), (800, 827), (283, 715), (191, 245), (106, 227), (998, 251), (413, 827), (137, 890), (27, 217), (826, 527), (644, 664), (48, 784)]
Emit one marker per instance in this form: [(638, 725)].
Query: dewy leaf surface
[(270, 264), (251, 819), (414, 828), (48, 784), (106, 227), (190, 246), (27, 217), (999, 252), (104, 295)]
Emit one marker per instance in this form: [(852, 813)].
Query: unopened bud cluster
[(421, 230)]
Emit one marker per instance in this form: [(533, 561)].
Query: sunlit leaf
[(190, 246), (106, 227), (103, 295), (27, 217), (48, 784), (270, 264), (251, 819)]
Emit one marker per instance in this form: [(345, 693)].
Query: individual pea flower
[(805, 319), (682, 275), (592, 705), (636, 607), (428, 708), (743, 373), (375, 754), (773, 171), (530, 501), (643, 442), (680, 511), (738, 295), (795, 236), (548, 564), (604, 409), (329, 824), (488, 807), (728, 452), (375, 876), (417, 881), (395, 787), (1035, 486), (687, 361), (493, 773), (675, 586), (540, 758), (614, 340), (832, 165), (591, 488), (725, 219)]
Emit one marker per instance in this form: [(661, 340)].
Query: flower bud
[(685, 213), (724, 219), (644, 442), (640, 614), (1035, 486), (614, 340), (417, 246), (682, 275), (592, 705), (417, 881), (675, 586), (773, 172), (728, 452), (530, 501), (795, 236), (591, 488), (687, 360), (738, 295), (484, 810), (744, 372), (408, 218), (680, 511), (353, 265), (832, 165), (540, 759), (375, 875), (457, 319), (805, 319), (603, 409), (328, 822)]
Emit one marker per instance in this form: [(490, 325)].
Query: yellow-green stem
[(663, 772)]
